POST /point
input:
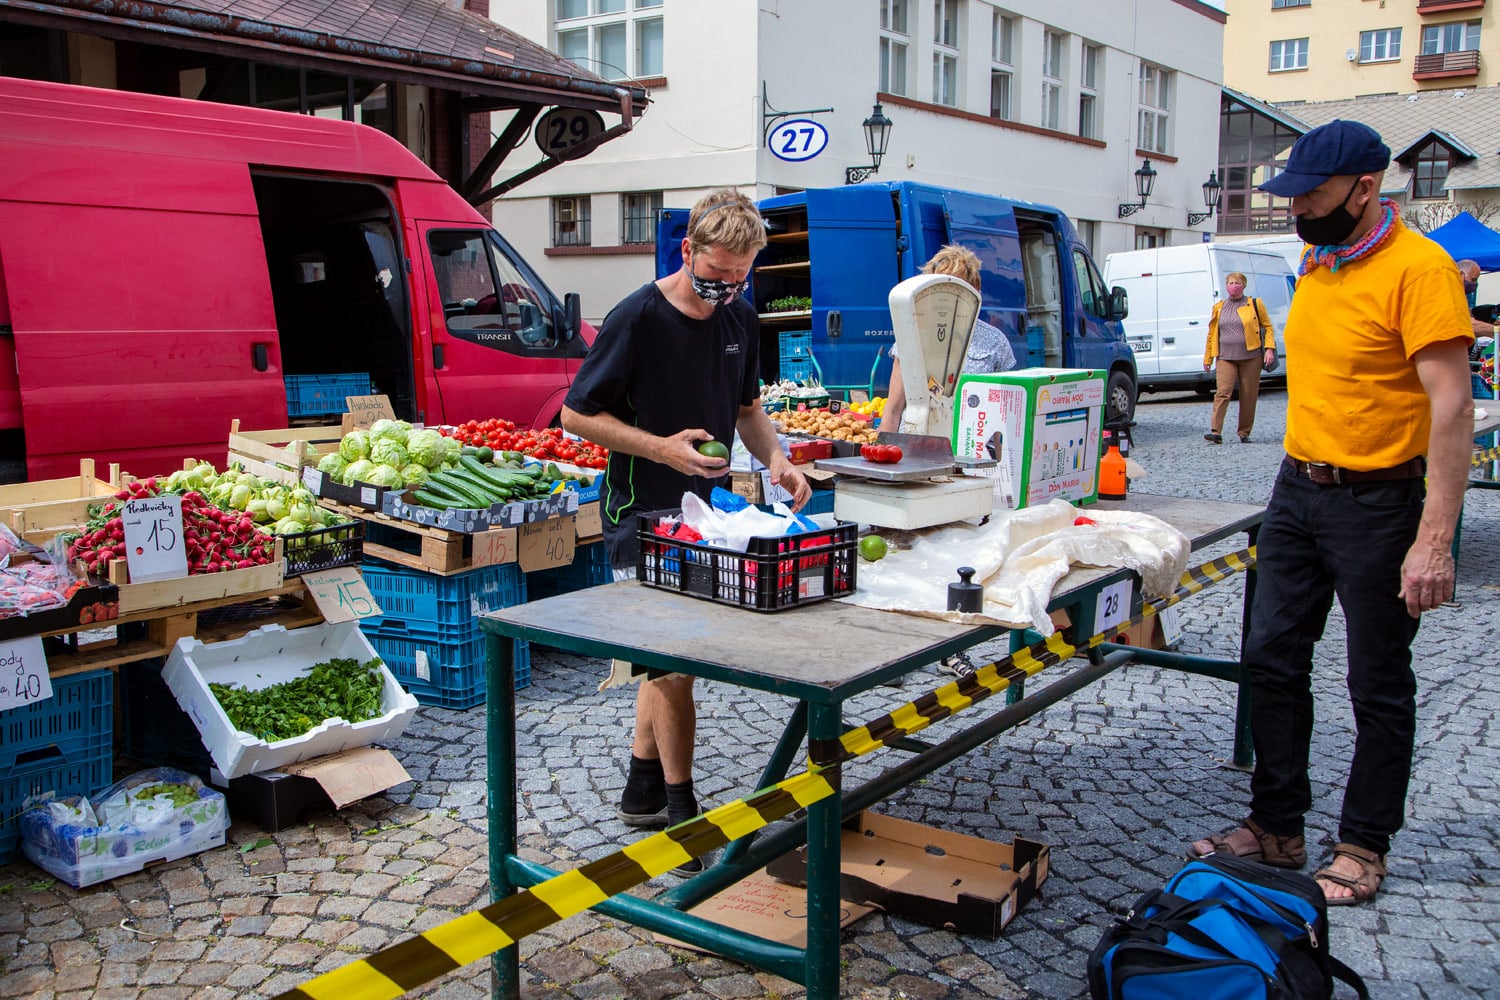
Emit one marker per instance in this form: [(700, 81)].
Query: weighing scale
[(933, 316)]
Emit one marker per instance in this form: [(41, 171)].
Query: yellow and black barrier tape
[(1485, 455), (417, 960)]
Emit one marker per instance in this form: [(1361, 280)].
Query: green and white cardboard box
[(1046, 423)]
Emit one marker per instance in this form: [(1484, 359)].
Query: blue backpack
[(1226, 929)]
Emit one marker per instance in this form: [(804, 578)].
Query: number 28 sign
[(798, 139)]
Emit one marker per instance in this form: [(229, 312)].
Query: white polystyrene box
[(271, 655)]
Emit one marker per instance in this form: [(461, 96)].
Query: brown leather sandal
[(1364, 886), (1253, 844)]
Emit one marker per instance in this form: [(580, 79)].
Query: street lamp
[(877, 134), (1212, 192), (1145, 179)]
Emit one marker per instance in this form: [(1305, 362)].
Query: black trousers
[(1318, 542)]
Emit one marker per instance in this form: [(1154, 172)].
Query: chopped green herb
[(342, 688)]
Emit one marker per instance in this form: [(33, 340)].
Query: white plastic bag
[(733, 530)]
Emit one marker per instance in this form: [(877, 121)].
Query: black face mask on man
[(715, 291), (1331, 229)]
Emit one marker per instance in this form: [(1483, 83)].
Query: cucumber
[(498, 477), (479, 485), (438, 490), (436, 502), (460, 488)]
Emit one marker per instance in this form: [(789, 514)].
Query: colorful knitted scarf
[(1332, 255)]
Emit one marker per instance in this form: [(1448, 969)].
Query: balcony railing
[(1445, 6), (1446, 64)]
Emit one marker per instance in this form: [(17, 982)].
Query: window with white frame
[(1381, 45), (1289, 53), (1091, 60), (1460, 36), (1054, 49), (638, 212), (945, 52), (617, 39), (1154, 108), (1430, 171), (894, 46), (570, 221), (1002, 63)]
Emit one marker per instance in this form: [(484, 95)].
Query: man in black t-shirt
[(675, 364)]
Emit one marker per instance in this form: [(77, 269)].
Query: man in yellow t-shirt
[(1378, 436)]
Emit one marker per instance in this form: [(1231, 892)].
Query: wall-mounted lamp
[(1145, 179), (1212, 191), (877, 135)]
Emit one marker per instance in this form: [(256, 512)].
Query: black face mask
[(1331, 229)]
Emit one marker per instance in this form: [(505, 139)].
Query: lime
[(713, 449), (872, 547)]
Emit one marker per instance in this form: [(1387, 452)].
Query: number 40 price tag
[(341, 594), (154, 546)]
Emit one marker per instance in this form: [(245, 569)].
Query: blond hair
[(1237, 274), (956, 261), (726, 219)]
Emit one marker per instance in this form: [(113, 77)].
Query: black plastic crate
[(772, 574), (324, 548)]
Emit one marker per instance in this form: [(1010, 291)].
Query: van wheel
[(12, 470), (1119, 396)]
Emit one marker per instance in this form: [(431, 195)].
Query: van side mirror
[(1119, 304), (572, 315)]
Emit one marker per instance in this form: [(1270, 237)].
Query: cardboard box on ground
[(934, 877)]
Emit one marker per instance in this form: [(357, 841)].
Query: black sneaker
[(656, 820), (682, 805)]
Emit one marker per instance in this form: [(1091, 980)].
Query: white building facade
[(1053, 101)]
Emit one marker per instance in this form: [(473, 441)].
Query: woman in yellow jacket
[(1244, 341)]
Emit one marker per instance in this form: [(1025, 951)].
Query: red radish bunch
[(215, 539)]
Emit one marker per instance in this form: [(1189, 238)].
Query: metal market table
[(802, 654)]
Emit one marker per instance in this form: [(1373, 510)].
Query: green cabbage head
[(388, 451), (355, 446)]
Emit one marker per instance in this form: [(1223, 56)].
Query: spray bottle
[(1112, 483)]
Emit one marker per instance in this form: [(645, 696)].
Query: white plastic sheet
[(1019, 557)]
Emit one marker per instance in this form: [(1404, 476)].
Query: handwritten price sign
[(341, 594), (23, 673), (154, 546)]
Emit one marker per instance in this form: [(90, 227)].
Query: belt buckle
[(1330, 472)]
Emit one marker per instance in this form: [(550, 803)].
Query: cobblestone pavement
[(1115, 778)]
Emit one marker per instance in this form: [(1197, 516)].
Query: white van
[(1172, 294)]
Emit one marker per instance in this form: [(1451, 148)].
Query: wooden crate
[(38, 511), (281, 454), (136, 598), (429, 549)]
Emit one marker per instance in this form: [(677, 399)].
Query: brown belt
[(1331, 475)]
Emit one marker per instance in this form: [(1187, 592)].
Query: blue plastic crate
[(797, 371), (34, 784), (454, 665), (154, 729), (590, 568), (1481, 388), (318, 395), (795, 344), (73, 726), (441, 602)]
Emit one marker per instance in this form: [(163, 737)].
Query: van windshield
[(486, 300)]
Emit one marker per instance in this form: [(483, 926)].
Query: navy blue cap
[(1337, 149)]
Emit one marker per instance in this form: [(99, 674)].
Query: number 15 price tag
[(154, 546), (341, 594)]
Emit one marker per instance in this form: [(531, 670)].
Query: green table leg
[(825, 724), (500, 739)]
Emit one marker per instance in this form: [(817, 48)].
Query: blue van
[(835, 253)]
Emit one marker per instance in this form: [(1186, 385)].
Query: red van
[(166, 264)]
